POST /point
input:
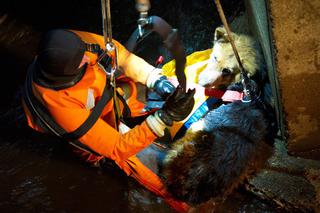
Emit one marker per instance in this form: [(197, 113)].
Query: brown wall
[(296, 31)]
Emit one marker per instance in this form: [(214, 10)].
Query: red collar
[(227, 96)]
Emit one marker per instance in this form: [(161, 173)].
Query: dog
[(222, 68), (228, 144), (217, 153)]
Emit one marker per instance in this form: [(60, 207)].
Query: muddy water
[(37, 173), (35, 177)]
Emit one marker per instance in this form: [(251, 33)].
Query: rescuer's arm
[(105, 140), (141, 71), (133, 66)]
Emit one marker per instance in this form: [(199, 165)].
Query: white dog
[(222, 67)]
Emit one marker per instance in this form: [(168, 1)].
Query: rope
[(106, 20), (244, 76), (113, 53), (226, 26)]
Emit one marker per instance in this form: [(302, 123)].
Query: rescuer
[(70, 95)]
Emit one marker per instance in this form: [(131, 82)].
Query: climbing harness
[(246, 82), (170, 37)]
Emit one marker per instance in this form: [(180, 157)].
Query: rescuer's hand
[(177, 106), (163, 87), (160, 84)]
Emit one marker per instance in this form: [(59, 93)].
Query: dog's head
[(222, 68), (217, 153)]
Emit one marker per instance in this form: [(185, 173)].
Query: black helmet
[(60, 54)]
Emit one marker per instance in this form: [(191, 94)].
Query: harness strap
[(94, 48), (93, 117), (40, 112), (105, 61), (126, 110)]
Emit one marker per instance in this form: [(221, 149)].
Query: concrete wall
[(296, 32)]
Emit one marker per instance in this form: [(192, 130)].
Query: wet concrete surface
[(292, 183), (296, 31)]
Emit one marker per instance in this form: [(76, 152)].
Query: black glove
[(163, 87), (177, 106)]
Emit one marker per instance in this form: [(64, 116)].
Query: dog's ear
[(221, 35)]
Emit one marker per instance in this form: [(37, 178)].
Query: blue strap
[(208, 105)]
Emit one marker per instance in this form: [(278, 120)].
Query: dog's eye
[(214, 59), (226, 72)]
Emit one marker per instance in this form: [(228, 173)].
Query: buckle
[(94, 48)]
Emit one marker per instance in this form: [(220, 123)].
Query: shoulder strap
[(106, 61), (93, 117), (40, 112)]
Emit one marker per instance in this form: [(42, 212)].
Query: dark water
[(40, 177), (37, 173)]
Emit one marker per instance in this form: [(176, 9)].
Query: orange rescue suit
[(70, 107)]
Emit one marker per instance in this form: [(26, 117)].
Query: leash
[(244, 76)]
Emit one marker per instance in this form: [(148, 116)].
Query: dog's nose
[(226, 72), (208, 78)]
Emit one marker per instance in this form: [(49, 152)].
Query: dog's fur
[(217, 153), (222, 68)]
